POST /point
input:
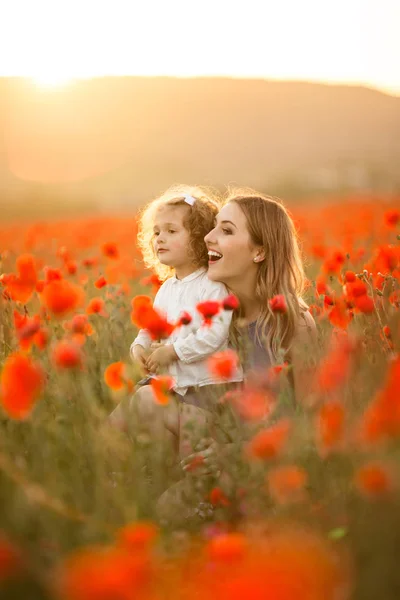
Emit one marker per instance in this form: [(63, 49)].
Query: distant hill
[(124, 139)]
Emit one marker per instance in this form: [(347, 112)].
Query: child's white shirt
[(195, 342)]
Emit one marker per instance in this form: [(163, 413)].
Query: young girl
[(171, 237)]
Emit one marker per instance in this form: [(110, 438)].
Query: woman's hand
[(205, 461)]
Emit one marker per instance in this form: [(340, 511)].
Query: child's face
[(171, 239)]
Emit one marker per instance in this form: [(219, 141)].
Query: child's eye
[(171, 231), (156, 233)]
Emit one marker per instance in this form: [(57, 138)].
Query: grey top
[(258, 355)]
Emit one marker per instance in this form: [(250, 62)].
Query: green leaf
[(338, 533)]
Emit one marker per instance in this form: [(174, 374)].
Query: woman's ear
[(260, 255)]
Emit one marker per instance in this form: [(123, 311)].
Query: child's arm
[(207, 339)]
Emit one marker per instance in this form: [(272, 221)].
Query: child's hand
[(140, 355), (161, 358)]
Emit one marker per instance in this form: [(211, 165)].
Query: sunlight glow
[(51, 80), (337, 42)]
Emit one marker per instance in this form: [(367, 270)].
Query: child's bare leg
[(180, 500), (146, 421)]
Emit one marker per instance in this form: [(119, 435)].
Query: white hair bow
[(189, 199)]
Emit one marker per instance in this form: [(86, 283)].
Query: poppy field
[(307, 506)]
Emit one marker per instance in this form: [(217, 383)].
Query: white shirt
[(195, 342)]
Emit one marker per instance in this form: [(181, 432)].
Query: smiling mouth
[(213, 256)]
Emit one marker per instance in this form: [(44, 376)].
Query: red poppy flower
[(330, 426), (230, 302), (62, 297), (287, 483), (227, 547), (104, 574), (364, 304), (110, 250), (335, 368), (114, 375), (71, 267), (22, 286), (52, 274), (340, 316), (392, 217), (349, 276), (208, 310), (79, 324), (67, 355), (321, 286), (251, 404), (374, 480), (89, 263), (381, 419), (278, 304), (100, 282), (217, 497), (138, 536), (184, 319), (162, 386), (146, 317), (223, 364), (96, 306), (152, 280), (270, 442), (11, 561), (334, 262), (22, 381)]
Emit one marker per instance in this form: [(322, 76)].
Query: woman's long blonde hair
[(199, 221), (281, 272)]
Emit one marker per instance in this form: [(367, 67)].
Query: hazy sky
[(354, 41)]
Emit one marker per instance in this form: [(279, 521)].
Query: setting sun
[(51, 80)]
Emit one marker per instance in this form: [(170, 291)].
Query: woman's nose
[(209, 238)]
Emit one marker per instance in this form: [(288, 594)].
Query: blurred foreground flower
[(161, 387), (223, 364), (22, 381)]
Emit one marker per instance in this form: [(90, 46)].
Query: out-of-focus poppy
[(268, 443), (114, 375), (286, 483), (278, 304), (208, 310), (161, 387), (22, 381), (62, 298), (223, 364), (67, 355)]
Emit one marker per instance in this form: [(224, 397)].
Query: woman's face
[(232, 257)]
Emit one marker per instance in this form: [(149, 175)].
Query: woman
[(253, 250)]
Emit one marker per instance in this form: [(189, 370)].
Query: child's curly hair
[(199, 221)]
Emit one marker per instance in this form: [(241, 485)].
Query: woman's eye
[(227, 231)]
